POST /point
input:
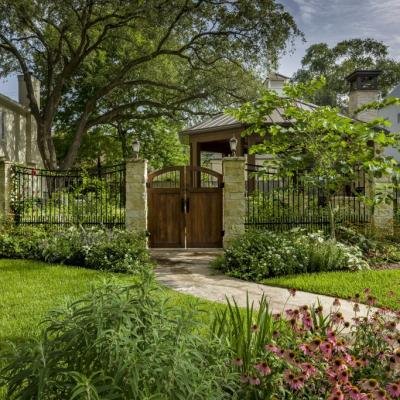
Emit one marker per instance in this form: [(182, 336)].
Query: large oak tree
[(101, 61)]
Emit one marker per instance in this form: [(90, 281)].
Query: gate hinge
[(222, 233)]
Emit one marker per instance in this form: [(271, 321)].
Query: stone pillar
[(5, 190), (383, 218), (136, 195), (234, 201)]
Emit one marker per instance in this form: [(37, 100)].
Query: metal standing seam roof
[(223, 121)]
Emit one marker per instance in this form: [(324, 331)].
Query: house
[(392, 114), (18, 132), (213, 135)]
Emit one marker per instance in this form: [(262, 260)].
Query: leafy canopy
[(328, 147), (337, 62), (105, 61)]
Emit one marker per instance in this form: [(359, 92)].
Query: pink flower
[(331, 336), (394, 389), (337, 317), (308, 369), (237, 361), (354, 393), (293, 381), (356, 307), (272, 348), (379, 394), (367, 290), (326, 349), (244, 378), (263, 368), (253, 380), (336, 394), (336, 303), (306, 349), (292, 291)]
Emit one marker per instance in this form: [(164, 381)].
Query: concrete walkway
[(188, 271)]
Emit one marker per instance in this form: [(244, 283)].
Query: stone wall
[(5, 178), (136, 195), (234, 202)]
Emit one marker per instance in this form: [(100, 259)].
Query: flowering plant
[(315, 355)]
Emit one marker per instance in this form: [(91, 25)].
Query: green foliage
[(116, 250), (339, 61), (120, 342), (257, 255), (328, 148), (114, 61)]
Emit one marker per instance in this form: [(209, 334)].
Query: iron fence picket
[(66, 198), (282, 203)]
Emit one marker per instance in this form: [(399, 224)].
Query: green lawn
[(346, 284), (29, 289)]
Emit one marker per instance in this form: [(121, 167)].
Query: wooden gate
[(185, 207)]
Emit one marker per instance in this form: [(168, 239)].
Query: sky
[(332, 21), (328, 21)]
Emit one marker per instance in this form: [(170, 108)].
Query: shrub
[(116, 250), (120, 343), (257, 255)]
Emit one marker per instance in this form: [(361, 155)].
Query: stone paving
[(188, 271)]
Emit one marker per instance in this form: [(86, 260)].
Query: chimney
[(276, 82), (23, 93), (363, 90)]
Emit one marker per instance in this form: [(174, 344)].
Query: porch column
[(136, 195), (234, 201), (5, 190)]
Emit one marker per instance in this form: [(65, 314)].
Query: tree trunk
[(46, 145), (122, 136)]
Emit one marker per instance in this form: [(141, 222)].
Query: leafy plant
[(116, 250), (257, 255), (120, 343)]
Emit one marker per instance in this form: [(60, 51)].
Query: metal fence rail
[(282, 203), (63, 198)]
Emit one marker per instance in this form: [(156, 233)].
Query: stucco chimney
[(276, 82), (22, 91), (363, 89)]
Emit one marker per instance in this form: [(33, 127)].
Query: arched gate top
[(185, 177)]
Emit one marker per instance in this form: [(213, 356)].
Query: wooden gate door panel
[(165, 218), (204, 218), (185, 207)]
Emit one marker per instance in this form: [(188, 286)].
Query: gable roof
[(9, 102)]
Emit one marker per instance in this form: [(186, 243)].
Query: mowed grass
[(347, 284), (30, 289)]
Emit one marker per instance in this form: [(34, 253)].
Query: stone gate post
[(234, 201), (136, 195), (5, 190)]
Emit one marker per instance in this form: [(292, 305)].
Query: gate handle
[(183, 205), (187, 205)]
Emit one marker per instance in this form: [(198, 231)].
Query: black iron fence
[(63, 198), (282, 203)]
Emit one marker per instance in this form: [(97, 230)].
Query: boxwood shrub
[(257, 255), (111, 250)]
